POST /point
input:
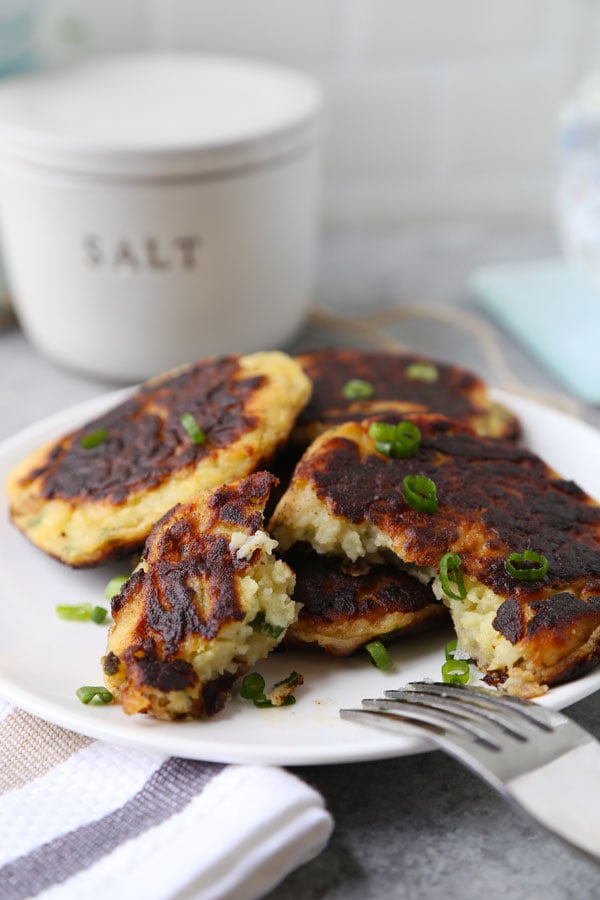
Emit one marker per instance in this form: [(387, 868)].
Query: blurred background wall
[(437, 110)]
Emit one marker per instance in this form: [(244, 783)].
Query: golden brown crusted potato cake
[(494, 499), (87, 504), (401, 383), (208, 599)]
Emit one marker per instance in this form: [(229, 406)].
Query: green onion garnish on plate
[(422, 372), (381, 431), (450, 571), (95, 695), (253, 686), (357, 389), (99, 614), (450, 649), (193, 430), (456, 671), (76, 612), (400, 441), (93, 438), (379, 655), (81, 612), (519, 565), (420, 493), (407, 440)]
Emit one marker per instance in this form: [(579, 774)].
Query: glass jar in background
[(578, 197)]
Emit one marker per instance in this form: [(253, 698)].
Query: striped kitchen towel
[(80, 818)]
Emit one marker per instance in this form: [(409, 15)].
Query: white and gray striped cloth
[(80, 818)]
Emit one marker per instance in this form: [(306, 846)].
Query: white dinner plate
[(43, 659)]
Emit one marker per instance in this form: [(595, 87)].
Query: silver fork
[(534, 756)]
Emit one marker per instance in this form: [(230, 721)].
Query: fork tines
[(474, 712), (503, 709)]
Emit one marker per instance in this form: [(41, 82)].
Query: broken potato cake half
[(207, 600), (345, 604), (511, 547), (95, 494)]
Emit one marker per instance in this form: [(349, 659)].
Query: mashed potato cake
[(96, 493), (399, 384), (344, 605), (207, 601), (494, 499)]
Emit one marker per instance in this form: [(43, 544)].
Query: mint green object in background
[(553, 311), (17, 36)]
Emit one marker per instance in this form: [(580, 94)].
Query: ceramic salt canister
[(158, 208)]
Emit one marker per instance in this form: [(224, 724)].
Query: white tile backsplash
[(504, 119), (436, 109), (429, 28), (387, 202), (377, 122), (274, 29)]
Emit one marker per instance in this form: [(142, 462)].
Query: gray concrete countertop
[(419, 827)]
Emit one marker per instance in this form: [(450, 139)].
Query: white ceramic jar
[(158, 208)]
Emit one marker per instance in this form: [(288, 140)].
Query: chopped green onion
[(263, 702), (379, 655), (80, 612), (384, 447), (94, 695), (292, 680), (407, 440), (99, 614), (456, 671), (357, 389), (381, 431), (114, 586), (450, 569), (422, 372), (450, 650), (282, 691), (260, 625), (192, 428), (420, 493), (517, 565), (401, 440), (253, 686), (87, 441)]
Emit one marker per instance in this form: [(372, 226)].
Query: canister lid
[(154, 114)]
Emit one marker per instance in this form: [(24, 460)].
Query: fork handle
[(564, 796)]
